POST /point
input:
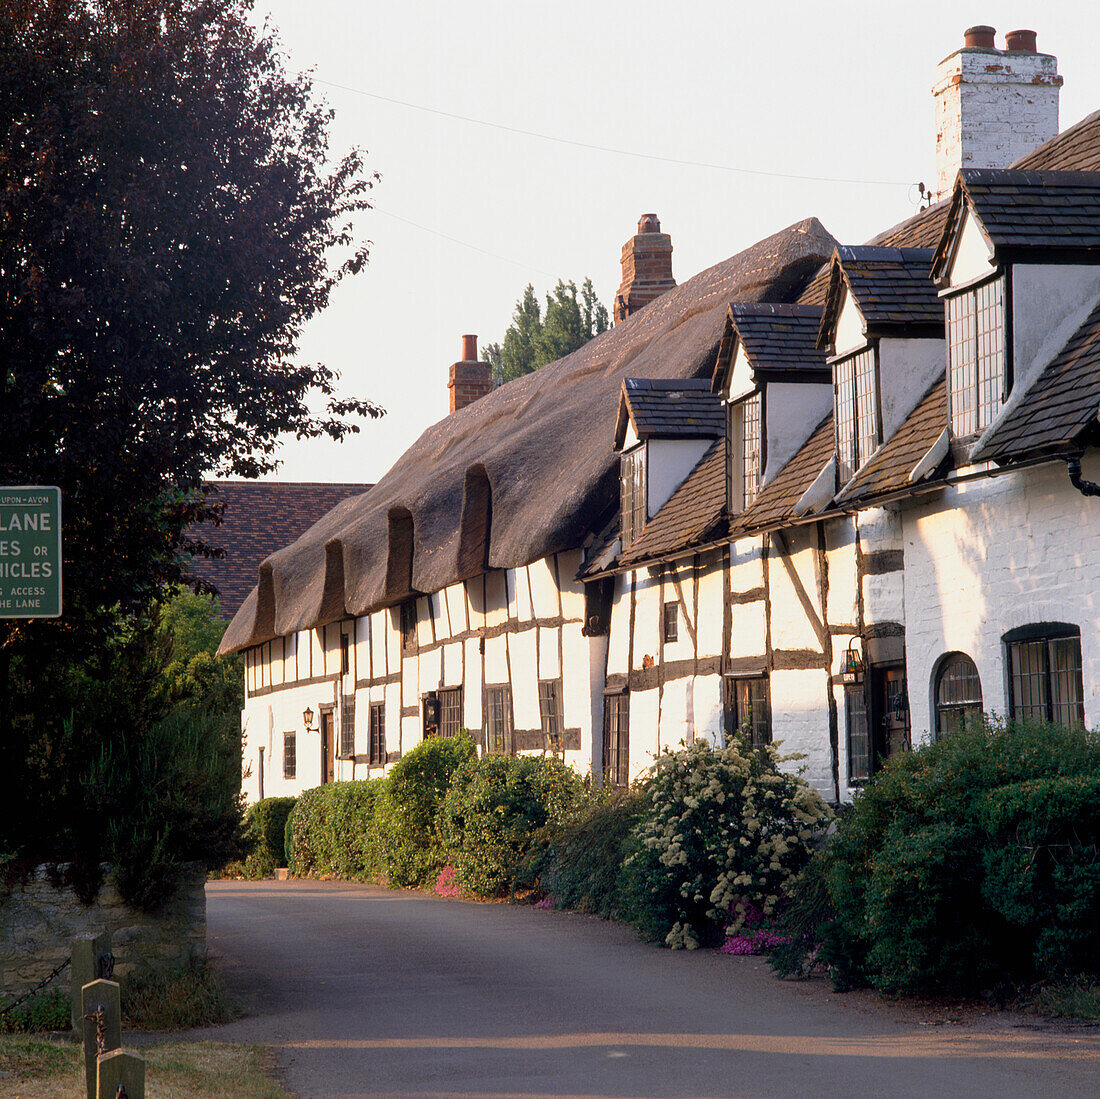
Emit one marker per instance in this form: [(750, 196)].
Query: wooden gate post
[(119, 1068), (95, 996), (87, 950)]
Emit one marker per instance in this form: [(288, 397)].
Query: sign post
[(30, 551)]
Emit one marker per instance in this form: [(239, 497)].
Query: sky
[(519, 143)]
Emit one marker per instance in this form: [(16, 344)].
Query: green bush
[(969, 865), (726, 828), (49, 1010), (493, 810), (265, 824), (334, 832), (579, 864), (407, 812)]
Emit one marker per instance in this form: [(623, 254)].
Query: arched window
[(958, 693)]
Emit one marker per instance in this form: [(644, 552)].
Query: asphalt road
[(363, 991)]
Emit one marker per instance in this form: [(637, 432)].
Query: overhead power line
[(607, 148)]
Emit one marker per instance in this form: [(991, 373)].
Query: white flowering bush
[(727, 829)]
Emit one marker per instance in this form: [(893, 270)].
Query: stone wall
[(39, 920)]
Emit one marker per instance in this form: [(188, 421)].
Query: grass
[(36, 1068), (190, 995), (1078, 999)]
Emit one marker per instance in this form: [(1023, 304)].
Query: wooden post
[(87, 950), (94, 996), (120, 1069)]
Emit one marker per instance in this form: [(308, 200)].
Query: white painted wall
[(792, 411), (907, 368), (741, 382), (973, 254), (668, 462), (851, 329)]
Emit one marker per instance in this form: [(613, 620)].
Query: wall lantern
[(852, 672), (307, 718)]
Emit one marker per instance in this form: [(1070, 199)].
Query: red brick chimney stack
[(469, 379), (647, 267)]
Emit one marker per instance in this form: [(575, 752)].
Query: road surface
[(365, 992)]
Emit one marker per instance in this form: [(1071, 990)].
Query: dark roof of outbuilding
[(660, 409), (777, 338), (888, 469), (1060, 407), (1024, 211), (693, 514), (544, 442), (891, 286), (259, 517)]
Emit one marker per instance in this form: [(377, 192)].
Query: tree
[(533, 341), (170, 218)]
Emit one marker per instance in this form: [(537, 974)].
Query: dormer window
[(745, 451), (856, 412), (632, 484), (976, 356)]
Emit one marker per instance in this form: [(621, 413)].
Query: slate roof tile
[(660, 408), (779, 337)]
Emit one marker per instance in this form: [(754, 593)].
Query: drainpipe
[(1086, 488)]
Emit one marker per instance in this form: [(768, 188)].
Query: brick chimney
[(647, 267), (992, 106), (469, 379)]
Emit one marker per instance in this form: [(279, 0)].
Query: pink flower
[(445, 884)]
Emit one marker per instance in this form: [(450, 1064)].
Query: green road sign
[(30, 552)]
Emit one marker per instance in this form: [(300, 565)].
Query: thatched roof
[(532, 462)]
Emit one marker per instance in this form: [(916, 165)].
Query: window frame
[(1045, 634), (852, 716), (847, 400), (741, 473), (734, 708), (290, 754), (376, 734), (450, 703), (550, 713), (499, 743), (346, 747), (670, 622), (633, 493), (951, 715), (971, 291), (615, 750)]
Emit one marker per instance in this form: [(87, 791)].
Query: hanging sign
[(30, 552)]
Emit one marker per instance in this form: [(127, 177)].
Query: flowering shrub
[(445, 884), (751, 934), (726, 829)]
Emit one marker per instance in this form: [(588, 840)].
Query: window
[(671, 622), (550, 712), (859, 734), (408, 625), (958, 693), (345, 654), (747, 709), (347, 726), (290, 759), (376, 747), (633, 493), (616, 739), (450, 712), (498, 721), (1044, 674), (856, 400), (976, 356)]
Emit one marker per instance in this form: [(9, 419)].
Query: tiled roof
[(260, 517), (662, 409), (891, 285), (1059, 407), (692, 513), (779, 337), (1074, 150), (889, 467), (775, 502), (1028, 210)]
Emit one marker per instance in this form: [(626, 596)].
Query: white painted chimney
[(992, 106)]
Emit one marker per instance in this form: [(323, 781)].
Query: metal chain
[(99, 1015), (37, 988)]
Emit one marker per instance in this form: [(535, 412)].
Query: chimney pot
[(649, 223), (1021, 41), (469, 380), (980, 37), (469, 349)]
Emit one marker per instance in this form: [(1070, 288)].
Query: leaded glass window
[(1045, 681), (550, 712), (376, 748), (856, 412), (747, 709), (633, 493), (616, 739), (976, 358), (450, 712), (958, 693), (498, 721), (859, 734), (290, 756)]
